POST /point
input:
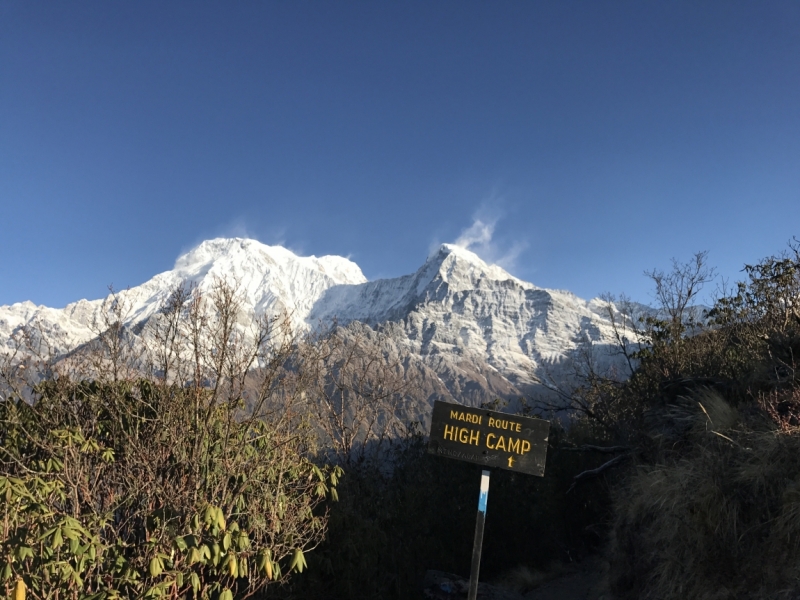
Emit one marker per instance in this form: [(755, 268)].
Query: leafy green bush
[(190, 476)]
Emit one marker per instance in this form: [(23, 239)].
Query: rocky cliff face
[(458, 311), (467, 330)]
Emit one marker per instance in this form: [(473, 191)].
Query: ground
[(583, 581)]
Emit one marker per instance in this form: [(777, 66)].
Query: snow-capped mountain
[(270, 279), (466, 323), (458, 305)]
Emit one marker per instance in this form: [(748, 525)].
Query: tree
[(359, 391)]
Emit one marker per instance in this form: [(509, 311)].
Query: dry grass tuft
[(720, 519)]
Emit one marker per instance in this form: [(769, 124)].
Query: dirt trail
[(585, 581)]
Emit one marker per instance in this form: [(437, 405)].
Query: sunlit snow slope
[(270, 278)]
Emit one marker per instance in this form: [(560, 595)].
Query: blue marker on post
[(476, 547), (484, 495)]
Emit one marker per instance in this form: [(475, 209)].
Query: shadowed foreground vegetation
[(709, 505)]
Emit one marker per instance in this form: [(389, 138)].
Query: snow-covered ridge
[(449, 269), (454, 308), (270, 279)]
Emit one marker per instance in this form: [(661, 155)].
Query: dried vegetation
[(710, 504)]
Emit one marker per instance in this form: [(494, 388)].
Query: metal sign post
[(490, 439), (478, 543)]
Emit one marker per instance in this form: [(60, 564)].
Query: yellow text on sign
[(492, 441), (457, 415), (505, 424), (461, 434), (508, 444)]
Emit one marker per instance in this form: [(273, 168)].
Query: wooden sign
[(489, 438)]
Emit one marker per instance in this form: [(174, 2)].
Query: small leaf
[(24, 552), (20, 590), (156, 566), (57, 539), (243, 541), (298, 561), (205, 552), (195, 581), (180, 544)]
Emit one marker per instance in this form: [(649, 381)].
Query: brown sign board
[(489, 438)]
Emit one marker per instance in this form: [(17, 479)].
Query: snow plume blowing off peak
[(479, 238), (477, 235)]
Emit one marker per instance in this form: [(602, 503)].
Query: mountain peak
[(232, 255), (445, 250), (450, 261)]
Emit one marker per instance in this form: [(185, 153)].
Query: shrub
[(174, 464), (719, 519), (711, 509)]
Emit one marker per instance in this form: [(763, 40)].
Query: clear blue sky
[(600, 138)]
